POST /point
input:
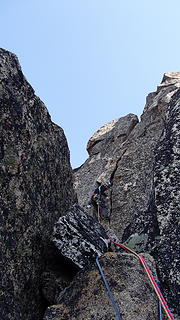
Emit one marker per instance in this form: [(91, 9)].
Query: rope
[(160, 309), (151, 278), (98, 213), (113, 301)]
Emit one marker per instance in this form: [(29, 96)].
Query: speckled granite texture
[(35, 189)]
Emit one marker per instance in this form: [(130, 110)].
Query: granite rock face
[(105, 150), (167, 202), (87, 298), (127, 158), (40, 266), (143, 167), (156, 228), (35, 189), (79, 237)]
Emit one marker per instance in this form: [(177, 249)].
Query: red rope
[(151, 278)]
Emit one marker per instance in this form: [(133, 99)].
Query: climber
[(98, 201)]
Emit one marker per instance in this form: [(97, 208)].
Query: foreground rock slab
[(86, 298), (79, 237)]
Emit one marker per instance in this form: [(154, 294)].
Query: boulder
[(79, 237)]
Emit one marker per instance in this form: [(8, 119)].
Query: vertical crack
[(1, 149), (111, 180)]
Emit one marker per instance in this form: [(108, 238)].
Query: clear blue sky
[(92, 61)]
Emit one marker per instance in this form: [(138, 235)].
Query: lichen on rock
[(79, 237), (144, 198), (35, 189), (87, 298), (45, 241)]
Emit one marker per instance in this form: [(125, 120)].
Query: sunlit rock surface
[(143, 167), (105, 150)]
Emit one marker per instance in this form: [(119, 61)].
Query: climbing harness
[(102, 211), (111, 297), (152, 280), (98, 202)]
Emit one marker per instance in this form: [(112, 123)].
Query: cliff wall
[(141, 159), (35, 189), (42, 252)]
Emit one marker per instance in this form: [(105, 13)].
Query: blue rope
[(160, 313), (114, 303)]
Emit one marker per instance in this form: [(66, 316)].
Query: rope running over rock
[(151, 278)]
